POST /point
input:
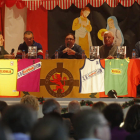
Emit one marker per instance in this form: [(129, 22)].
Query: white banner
[(15, 26)]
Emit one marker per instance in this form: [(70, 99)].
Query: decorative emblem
[(59, 81)]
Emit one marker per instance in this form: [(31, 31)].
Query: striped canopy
[(64, 4)]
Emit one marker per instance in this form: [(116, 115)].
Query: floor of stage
[(64, 102)]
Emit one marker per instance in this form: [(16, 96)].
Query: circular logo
[(56, 82)]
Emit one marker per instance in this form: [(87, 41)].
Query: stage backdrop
[(50, 23)]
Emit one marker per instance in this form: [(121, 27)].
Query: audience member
[(132, 120), (29, 41), (5, 133), (114, 114), (99, 106), (3, 106), (134, 136), (137, 49), (73, 107), (20, 119), (70, 50), (3, 52), (49, 128), (108, 49), (91, 124), (30, 100), (51, 105)]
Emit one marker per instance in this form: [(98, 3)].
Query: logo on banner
[(6, 71), (116, 71), (59, 82), (29, 69)]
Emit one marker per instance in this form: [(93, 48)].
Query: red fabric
[(37, 22), (0, 19), (10, 3), (2, 2), (20, 4), (63, 4)]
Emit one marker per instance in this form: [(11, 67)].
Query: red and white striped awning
[(64, 4)]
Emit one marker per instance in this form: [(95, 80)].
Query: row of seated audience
[(69, 50), (101, 122)]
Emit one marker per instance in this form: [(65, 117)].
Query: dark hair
[(70, 34), (50, 105), (49, 128), (99, 106), (54, 115), (19, 118), (4, 132), (86, 121), (28, 32), (132, 120), (3, 106), (114, 114)]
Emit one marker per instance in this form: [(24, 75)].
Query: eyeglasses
[(69, 39)]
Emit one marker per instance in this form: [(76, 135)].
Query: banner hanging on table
[(61, 79)]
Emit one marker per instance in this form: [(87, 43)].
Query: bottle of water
[(118, 52), (46, 55), (23, 54), (0, 50), (56, 54), (83, 54), (133, 54)]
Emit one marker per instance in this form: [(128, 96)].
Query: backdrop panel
[(37, 22), (60, 23), (15, 26)]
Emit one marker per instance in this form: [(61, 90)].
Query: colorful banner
[(61, 79)]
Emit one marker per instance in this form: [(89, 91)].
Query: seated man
[(70, 50), (73, 107), (108, 50), (29, 41), (90, 125), (3, 52)]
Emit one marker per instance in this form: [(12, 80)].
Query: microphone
[(12, 51)]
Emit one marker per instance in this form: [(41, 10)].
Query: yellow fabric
[(8, 78), (70, 67), (83, 42)]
